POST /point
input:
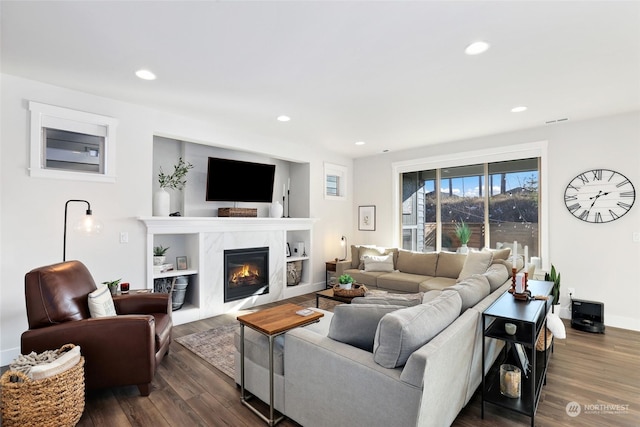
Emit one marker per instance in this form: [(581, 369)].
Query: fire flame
[(245, 271)]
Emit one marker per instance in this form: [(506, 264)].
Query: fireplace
[(246, 273)]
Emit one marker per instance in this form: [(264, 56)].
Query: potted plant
[(554, 277), (463, 232), (159, 253), (175, 181), (346, 281), (112, 285)]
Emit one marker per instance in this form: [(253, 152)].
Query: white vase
[(464, 249), (276, 209), (161, 203)]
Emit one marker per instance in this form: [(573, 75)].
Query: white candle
[(526, 257), (515, 253), (283, 190), (288, 183)]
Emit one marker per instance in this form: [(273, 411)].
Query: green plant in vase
[(554, 277), (159, 254), (346, 281), (463, 233), (112, 285)]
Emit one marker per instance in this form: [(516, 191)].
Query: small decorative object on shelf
[(175, 181), (510, 381), (159, 254)]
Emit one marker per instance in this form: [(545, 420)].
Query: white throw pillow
[(101, 303), (378, 263), (555, 325)]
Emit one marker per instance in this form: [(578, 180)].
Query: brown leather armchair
[(121, 350)]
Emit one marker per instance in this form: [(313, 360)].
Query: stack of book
[(162, 268)]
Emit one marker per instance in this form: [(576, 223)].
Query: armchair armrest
[(117, 350), (341, 266), (142, 303)]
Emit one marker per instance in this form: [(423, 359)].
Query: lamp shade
[(87, 225)]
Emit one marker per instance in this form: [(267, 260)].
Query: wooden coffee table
[(329, 294), (270, 322)]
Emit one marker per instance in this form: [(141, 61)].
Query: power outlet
[(571, 292), (124, 237)]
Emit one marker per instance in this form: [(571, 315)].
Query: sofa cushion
[(476, 263), (417, 262), (407, 300), (450, 264), (399, 281), (497, 274), (368, 278), (430, 296), (472, 290), (402, 332), (499, 253), (436, 284), (356, 324), (378, 263), (359, 251), (101, 303)]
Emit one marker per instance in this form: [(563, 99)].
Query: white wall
[(31, 224), (599, 260)]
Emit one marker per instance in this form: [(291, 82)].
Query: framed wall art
[(366, 218)]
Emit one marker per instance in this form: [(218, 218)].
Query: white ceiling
[(392, 74)]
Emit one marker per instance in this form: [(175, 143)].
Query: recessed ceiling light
[(360, 143), (476, 48), (284, 118), (519, 109), (145, 75)]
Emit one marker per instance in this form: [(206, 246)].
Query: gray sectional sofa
[(387, 360)]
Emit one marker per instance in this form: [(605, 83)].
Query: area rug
[(216, 345)]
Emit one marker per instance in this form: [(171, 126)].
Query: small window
[(70, 144), (335, 181)]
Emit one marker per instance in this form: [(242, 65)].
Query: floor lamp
[(87, 225)]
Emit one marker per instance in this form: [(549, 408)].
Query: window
[(70, 144), (498, 200), (335, 181)]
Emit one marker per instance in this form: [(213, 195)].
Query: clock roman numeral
[(598, 217), (583, 215), (582, 177), (570, 197), (573, 187), (624, 206), (627, 194), (625, 182), (613, 214), (597, 174), (574, 207)]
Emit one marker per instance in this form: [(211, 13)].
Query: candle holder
[(283, 205), (525, 295)]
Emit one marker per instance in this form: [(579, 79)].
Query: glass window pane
[(513, 204), (418, 210), (462, 199)]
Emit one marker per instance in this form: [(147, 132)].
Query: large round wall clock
[(599, 195)]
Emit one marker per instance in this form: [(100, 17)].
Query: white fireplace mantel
[(204, 239)]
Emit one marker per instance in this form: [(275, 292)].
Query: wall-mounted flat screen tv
[(239, 181)]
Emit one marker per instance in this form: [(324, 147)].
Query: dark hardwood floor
[(594, 370)]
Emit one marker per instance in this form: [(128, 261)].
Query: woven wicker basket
[(355, 291), (540, 341), (57, 401)]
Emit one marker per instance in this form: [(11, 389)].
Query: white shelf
[(174, 273), (297, 258)]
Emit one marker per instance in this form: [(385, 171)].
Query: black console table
[(530, 320)]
